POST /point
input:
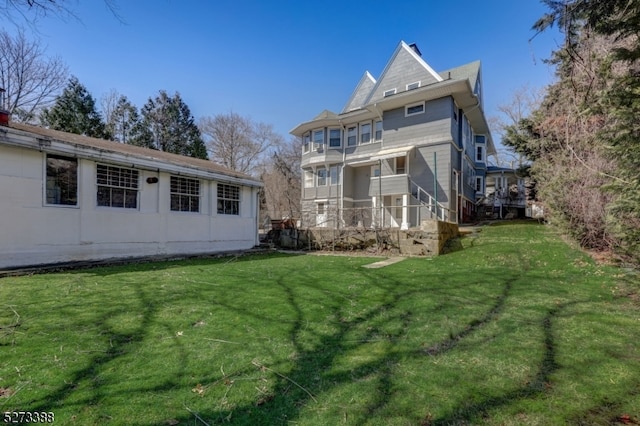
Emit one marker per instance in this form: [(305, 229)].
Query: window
[(334, 175), (365, 133), (320, 208), (414, 109), (480, 153), (335, 140), (378, 130), (228, 199), (412, 86), (351, 136), (479, 184), (389, 92), (308, 179), (318, 139), (117, 187), (306, 141), (322, 176), (62, 181), (400, 165), (375, 170), (185, 194)]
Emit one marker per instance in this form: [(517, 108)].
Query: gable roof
[(146, 157), (360, 94), (404, 67)]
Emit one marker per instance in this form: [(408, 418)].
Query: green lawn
[(517, 328)]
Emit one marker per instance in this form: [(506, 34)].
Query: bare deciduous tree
[(31, 10), (282, 181), (30, 78), (237, 142)]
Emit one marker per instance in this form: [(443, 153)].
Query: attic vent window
[(412, 86), (389, 92)]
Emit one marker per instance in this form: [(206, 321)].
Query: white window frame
[(334, 175), (308, 178), (480, 154), (53, 188), (318, 143), (352, 132), (410, 106), (479, 184), (376, 131), (362, 141), (229, 202), (321, 173), (414, 85), (339, 137), (306, 142), (117, 179), (404, 169), (184, 190)]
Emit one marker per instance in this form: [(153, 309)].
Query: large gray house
[(408, 146)]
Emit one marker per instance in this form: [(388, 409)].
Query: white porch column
[(373, 212), (405, 202)]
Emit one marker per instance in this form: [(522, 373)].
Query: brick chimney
[(4, 114)]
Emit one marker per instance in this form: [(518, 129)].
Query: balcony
[(388, 185)]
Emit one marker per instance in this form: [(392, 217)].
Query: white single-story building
[(66, 197)]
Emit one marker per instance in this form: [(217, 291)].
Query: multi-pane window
[(117, 187), (228, 199), (365, 133), (62, 181), (378, 130), (322, 176), (334, 138), (185, 194), (351, 136)]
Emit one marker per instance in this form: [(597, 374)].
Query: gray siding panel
[(422, 168), (432, 126), (389, 185)]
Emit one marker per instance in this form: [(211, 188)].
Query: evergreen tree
[(588, 124), (123, 121), (167, 125), (74, 111)]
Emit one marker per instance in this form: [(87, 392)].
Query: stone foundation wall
[(427, 240)]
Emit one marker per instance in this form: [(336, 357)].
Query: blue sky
[(283, 62)]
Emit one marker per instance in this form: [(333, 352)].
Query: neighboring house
[(505, 194), (66, 197), (408, 146)]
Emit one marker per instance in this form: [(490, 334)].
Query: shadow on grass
[(313, 369)]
